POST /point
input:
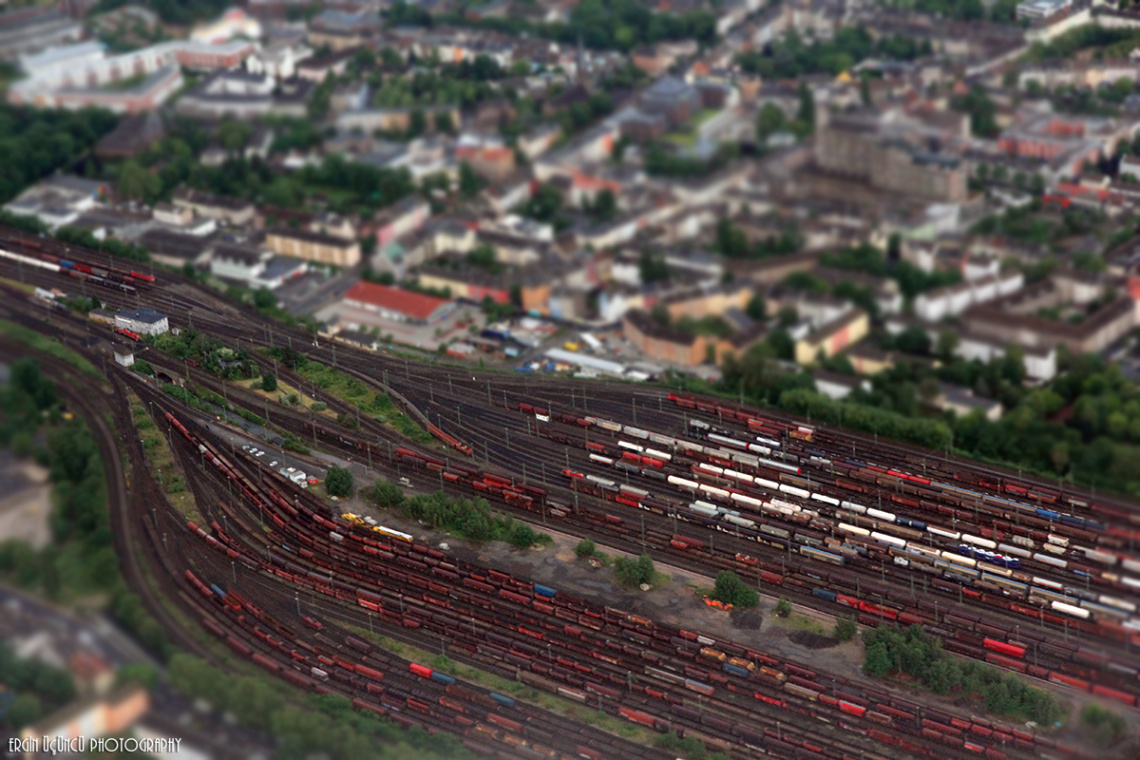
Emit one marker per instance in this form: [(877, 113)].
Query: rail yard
[(1028, 576)]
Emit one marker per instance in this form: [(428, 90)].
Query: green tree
[(387, 495), (844, 629), (1103, 726), (731, 590), (523, 536), (417, 123), (769, 121), (139, 673), (946, 345), (634, 572), (757, 308), (913, 340), (605, 205), (137, 183), (651, 267), (234, 135), (783, 607), (25, 710), (586, 548), (444, 123), (470, 183), (263, 298), (339, 482), (806, 113), (268, 382)]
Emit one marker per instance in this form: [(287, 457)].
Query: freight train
[(122, 280)]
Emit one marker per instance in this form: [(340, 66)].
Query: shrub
[(731, 590), (634, 572), (586, 548), (783, 607), (844, 629), (1103, 726), (319, 406), (523, 536), (339, 482)]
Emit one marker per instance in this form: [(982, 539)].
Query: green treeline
[(39, 689), (81, 560), (330, 727), (466, 518), (891, 651), (35, 142)]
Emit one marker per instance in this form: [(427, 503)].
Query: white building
[(1039, 10), (124, 355), (278, 60), (838, 387), (938, 304), (144, 321), (238, 263)]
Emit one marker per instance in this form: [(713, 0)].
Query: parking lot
[(281, 461)]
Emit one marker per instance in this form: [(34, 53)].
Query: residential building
[(278, 60), (397, 305), (398, 220), (1094, 334), (91, 717), (143, 321), (488, 155), (82, 75), (935, 305), (662, 343), (833, 337), (232, 211), (238, 263), (176, 249), (35, 27), (962, 402), (233, 23), (340, 30), (838, 387), (316, 68), (1040, 10), (278, 270), (313, 246), (397, 120), (59, 200), (133, 135), (467, 284), (242, 95), (892, 152)]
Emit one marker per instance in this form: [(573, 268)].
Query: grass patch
[(49, 346), (161, 460), (798, 622), (284, 389), (21, 286), (515, 689), (378, 406)]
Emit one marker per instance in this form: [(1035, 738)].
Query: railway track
[(456, 625), (453, 399)]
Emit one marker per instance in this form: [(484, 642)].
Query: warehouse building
[(144, 321)]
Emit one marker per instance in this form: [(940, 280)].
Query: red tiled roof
[(415, 305)]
